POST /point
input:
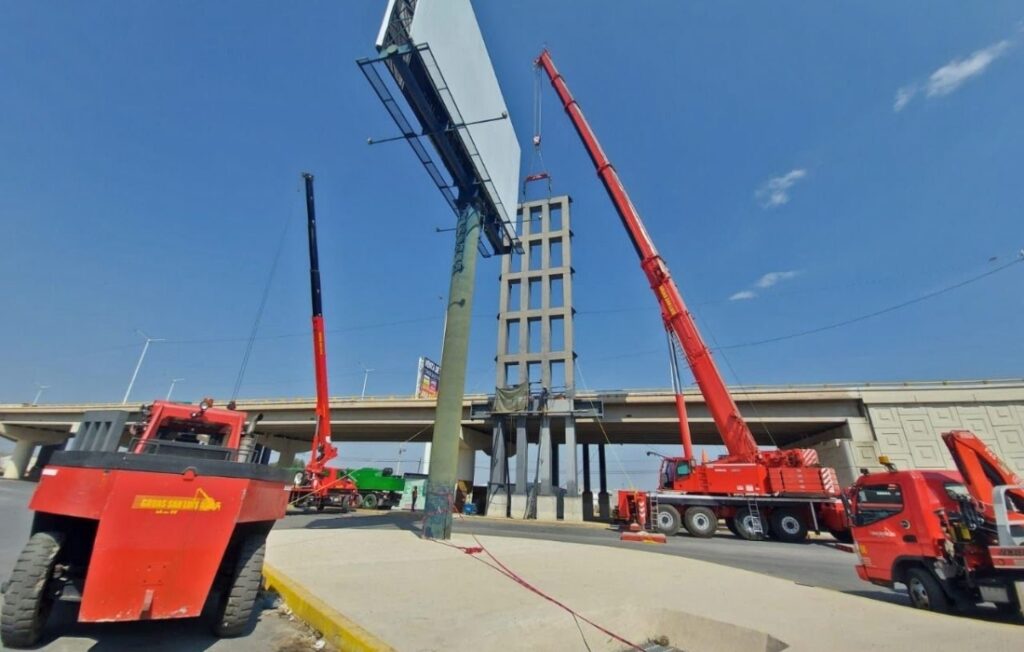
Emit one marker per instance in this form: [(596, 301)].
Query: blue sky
[(829, 159)]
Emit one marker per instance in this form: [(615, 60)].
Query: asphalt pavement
[(271, 630), (816, 563)]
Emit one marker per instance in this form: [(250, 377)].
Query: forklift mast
[(677, 319)]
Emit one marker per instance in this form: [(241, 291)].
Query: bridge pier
[(604, 511), (587, 497), (16, 467)]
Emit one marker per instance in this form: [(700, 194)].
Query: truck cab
[(952, 542)]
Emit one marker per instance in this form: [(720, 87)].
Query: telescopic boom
[(678, 321), (323, 447)]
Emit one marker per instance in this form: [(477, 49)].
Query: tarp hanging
[(508, 400)]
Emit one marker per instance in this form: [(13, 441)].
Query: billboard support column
[(444, 452)]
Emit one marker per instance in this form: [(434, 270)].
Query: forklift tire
[(240, 598), (370, 501), (925, 591), (26, 601), (667, 521), (700, 522), (787, 525), (744, 523)]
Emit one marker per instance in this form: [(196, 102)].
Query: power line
[(876, 313)]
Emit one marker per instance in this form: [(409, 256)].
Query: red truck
[(953, 538), (781, 493)]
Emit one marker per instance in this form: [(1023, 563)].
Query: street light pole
[(174, 381), (138, 365), (366, 375), (398, 467), (39, 393)]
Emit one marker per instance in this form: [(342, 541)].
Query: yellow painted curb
[(338, 630)]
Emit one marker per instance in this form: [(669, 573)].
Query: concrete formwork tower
[(535, 346)]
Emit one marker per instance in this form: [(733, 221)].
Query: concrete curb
[(337, 629)]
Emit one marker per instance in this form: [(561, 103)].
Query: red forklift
[(169, 526), (780, 493), (953, 538)]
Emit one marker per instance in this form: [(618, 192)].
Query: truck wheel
[(239, 599), (668, 520), (701, 522), (787, 526), (357, 501), (27, 603), (730, 524), (745, 525), (370, 501), (925, 591)]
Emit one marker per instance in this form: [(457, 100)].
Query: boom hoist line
[(537, 156), (679, 323)]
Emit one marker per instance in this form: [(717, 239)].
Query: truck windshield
[(875, 502)]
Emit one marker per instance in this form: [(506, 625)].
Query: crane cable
[(537, 155)]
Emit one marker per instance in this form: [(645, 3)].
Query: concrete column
[(522, 457), (425, 462), (18, 464), (544, 456), (603, 502), (555, 482), (287, 450), (571, 488), (466, 466), (444, 454), (498, 457), (588, 495)]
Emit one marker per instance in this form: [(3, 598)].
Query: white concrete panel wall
[(909, 434)]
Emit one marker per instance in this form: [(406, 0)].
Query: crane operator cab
[(673, 468)]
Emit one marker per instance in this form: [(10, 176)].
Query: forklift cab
[(672, 469)]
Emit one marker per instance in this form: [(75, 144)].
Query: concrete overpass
[(850, 425)]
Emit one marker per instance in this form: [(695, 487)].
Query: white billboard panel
[(450, 30)]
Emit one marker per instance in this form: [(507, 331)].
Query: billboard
[(460, 69), (427, 378)]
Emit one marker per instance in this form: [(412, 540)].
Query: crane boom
[(733, 429), (323, 448)]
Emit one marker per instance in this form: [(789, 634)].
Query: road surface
[(814, 564)]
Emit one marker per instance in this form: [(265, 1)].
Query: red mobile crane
[(953, 539), (787, 487), (319, 485)]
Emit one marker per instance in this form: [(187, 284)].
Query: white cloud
[(952, 76), (772, 278), (775, 191), (766, 281)]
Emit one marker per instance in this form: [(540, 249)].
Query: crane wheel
[(746, 525), (925, 591), (701, 522), (370, 501), (27, 602), (787, 525), (240, 597), (730, 524), (668, 521)]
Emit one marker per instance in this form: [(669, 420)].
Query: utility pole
[(174, 381), (444, 450), (398, 467), (366, 375), (35, 401), (138, 365)]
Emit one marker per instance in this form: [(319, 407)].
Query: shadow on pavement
[(392, 521)]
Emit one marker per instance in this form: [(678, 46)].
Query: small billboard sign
[(428, 378)]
